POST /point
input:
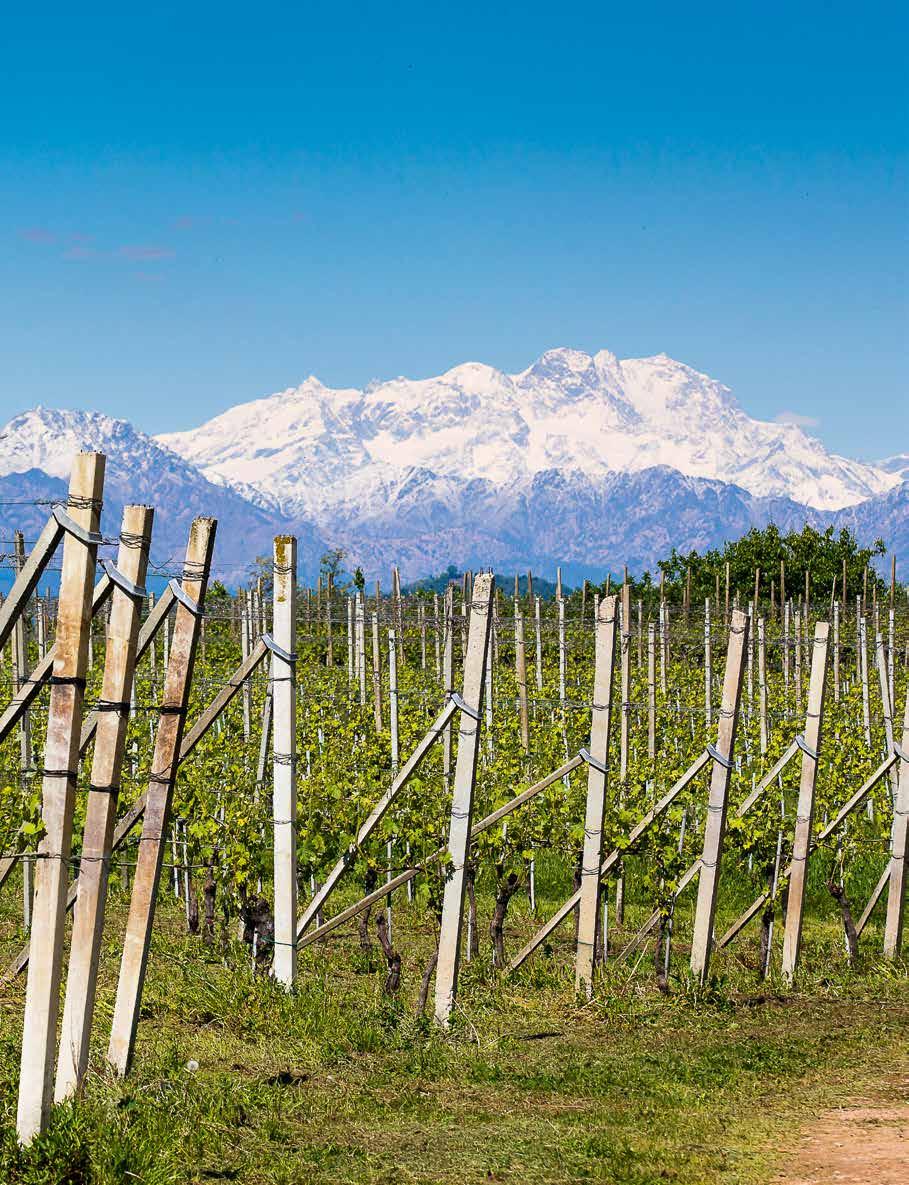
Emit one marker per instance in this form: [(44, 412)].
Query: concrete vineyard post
[(329, 637), (624, 733), (462, 797), (395, 746), (708, 667), (538, 649), (361, 647), (284, 756), (804, 814), (350, 641), (61, 761), (896, 893), (246, 645), (376, 673), (886, 708), (715, 827), (651, 690), (164, 766), (520, 659), (836, 652), (101, 808), (596, 793), (762, 684)]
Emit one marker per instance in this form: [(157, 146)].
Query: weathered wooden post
[(715, 827), (284, 756), (61, 762), (804, 814), (597, 758), (165, 761), (101, 808), (462, 797)]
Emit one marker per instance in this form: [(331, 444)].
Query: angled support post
[(462, 796), (410, 874), (614, 857), (28, 576), (165, 762)]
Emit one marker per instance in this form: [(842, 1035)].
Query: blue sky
[(203, 203)]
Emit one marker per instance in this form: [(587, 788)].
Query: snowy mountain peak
[(898, 465)]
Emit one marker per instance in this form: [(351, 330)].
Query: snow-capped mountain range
[(585, 460), (569, 412)]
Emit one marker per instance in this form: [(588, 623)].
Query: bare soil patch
[(864, 1142)]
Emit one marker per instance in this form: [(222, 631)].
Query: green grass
[(335, 1083)]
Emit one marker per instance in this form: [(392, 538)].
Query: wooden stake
[(61, 761), (158, 796)]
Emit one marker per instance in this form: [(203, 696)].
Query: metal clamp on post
[(591, 760), (463, 705), (184, 598), (117, 577), (270, 644), (725, 762), (89, 538), (805, 747)]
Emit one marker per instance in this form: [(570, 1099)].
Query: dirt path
[(865, 1142)]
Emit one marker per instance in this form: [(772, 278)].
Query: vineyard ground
[(338, 1084)]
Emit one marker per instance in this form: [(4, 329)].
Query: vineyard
[(395, 832)]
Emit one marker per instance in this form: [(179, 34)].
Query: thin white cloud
[(146, 254), (800, 421)]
